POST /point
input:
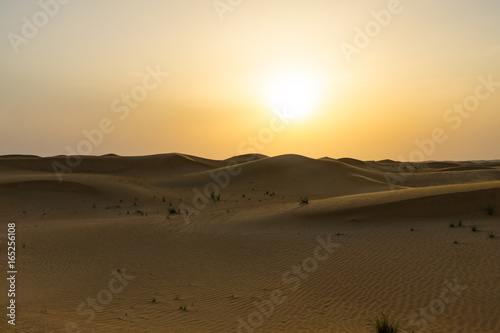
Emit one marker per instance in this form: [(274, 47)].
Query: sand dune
[(115, 230)]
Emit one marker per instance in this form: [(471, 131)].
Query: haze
[(222, 64)]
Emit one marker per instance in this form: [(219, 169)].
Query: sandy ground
[(103, 250)]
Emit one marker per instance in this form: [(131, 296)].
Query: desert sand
[(122, 245)]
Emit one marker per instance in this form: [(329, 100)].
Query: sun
[(294, 95)]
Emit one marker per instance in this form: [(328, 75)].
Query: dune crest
[(205, 243)]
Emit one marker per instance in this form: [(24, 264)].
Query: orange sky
[(370, 80)]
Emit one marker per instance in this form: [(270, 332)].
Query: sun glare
[(295, 95)]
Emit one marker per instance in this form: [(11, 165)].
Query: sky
[(405, 80)]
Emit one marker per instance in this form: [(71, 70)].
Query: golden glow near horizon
[(369, 80)]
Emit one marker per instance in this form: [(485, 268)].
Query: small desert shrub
[(215, 197), (412, 229), (183, 308), (172, 210), (455, 242), (491, 234), (490, 209), (304, 200), (474, 228), (153, 300), (452, 224), (460, 223), (385, 324)]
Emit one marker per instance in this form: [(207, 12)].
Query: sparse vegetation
[(412, 229), (491, 234), (214, 197), (385, 324), (455, 242), (183, 308), (452, 224), (304, 200), (460, 223), (153, 300), (474, 228), (140, 212), (172, 210)]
